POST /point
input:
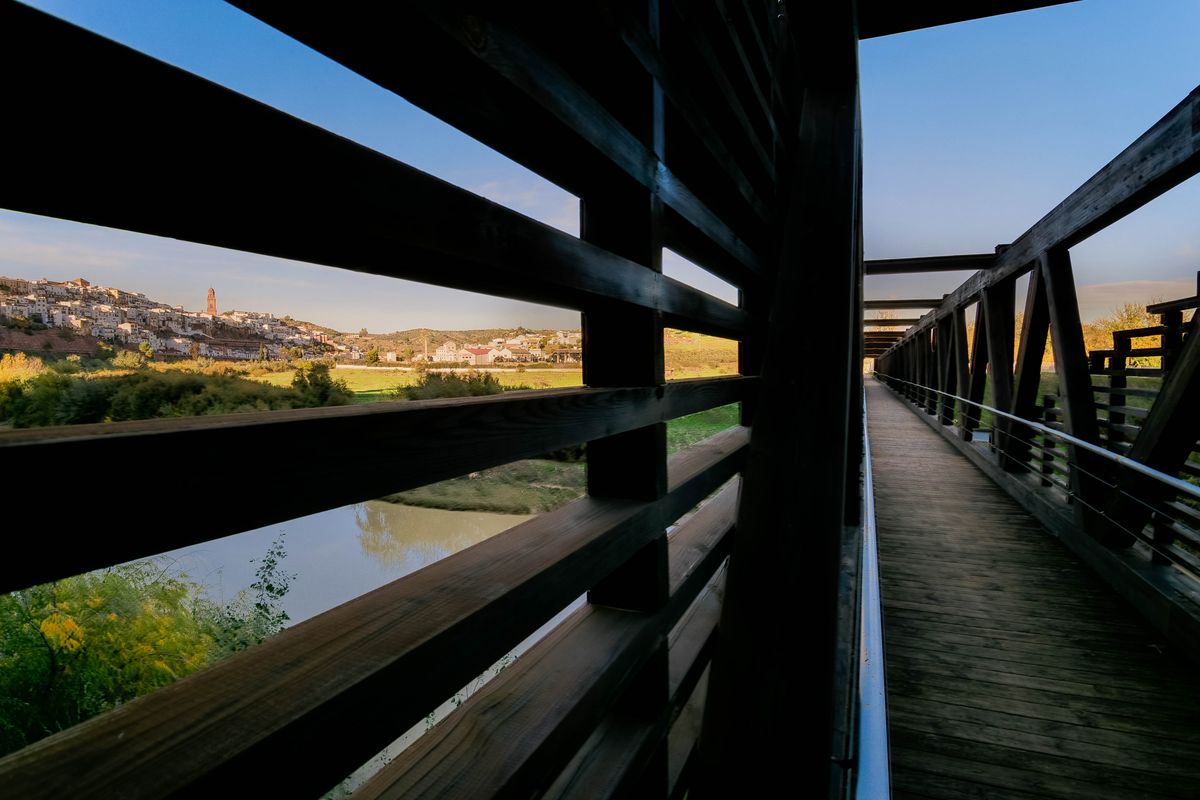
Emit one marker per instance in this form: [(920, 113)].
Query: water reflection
[(340, 553), (408, 538)]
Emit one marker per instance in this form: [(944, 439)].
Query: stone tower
[(212, 301)]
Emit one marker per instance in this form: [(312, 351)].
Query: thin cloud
[(1099, 299)]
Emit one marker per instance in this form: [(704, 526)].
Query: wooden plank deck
[(1012, 672)]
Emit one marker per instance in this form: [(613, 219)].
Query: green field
[(530, 486), (695, 355)]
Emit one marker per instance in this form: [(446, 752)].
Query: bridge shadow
[(1013, 672)]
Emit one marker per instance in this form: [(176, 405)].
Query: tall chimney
[(212, 301)]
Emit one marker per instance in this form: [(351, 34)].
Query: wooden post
[(1035, 326), (1048, 442), (1088, 473), (999, 314), (962, 366), (929, 377), (788, 555), (978, 380), (1172, 339), (947, 372), (623, 346)]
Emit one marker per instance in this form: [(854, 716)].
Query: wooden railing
[(678, 126), (934, 353), (932, 364)]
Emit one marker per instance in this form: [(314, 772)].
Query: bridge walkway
[(1013, 673)]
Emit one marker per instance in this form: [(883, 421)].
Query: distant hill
[(415, 339)]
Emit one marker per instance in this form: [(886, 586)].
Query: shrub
[(433, 385)]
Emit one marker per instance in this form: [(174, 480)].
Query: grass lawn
[(687, 431), (695, 355), (522, 487)]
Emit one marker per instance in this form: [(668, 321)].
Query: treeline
[(32, 394)]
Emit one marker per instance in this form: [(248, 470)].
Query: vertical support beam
[(789, 555), (750, 348), (1118, 362), (1034, 328), (998, 303), (910, 370), (930, 378), (947, 374), (623, 346), (1070, 354), (1172, 338), (962, 365), (1048, 442), (1089, 474), (979, 364)]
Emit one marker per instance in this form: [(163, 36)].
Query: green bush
[(79, 646), (433, 385), (54, 398)]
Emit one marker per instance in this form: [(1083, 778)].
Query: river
[(340, 553)]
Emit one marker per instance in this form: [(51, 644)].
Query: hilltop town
[(82, 311), (131, 319)]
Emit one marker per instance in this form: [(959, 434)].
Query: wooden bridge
[(1035, 562), (1013, 671)]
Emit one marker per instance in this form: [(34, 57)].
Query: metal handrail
[(1181, 486), (873, 778)]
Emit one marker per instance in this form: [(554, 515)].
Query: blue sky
[(972, 132)]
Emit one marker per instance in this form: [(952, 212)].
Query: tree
[(362, 332), (316, 387), (127, 359), (1097, 334), (146, 350), (372, 356), (76, 647), (433, 385)]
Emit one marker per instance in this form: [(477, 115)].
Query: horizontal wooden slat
[(339, 455), (602, 767), (913, 303), (473, 69), (538, 712), (1132, 411), (1130, 391), (1186, 512), (719, 76), (611, 762), (374, 665), (885, 322), (1131, 353), (164, 136), (1131, 371), (676, 88), (723, 20), (1174, 305), (899, 266), (1134, 333), (608, 763)]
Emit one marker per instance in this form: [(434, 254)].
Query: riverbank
[(534, 486)]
